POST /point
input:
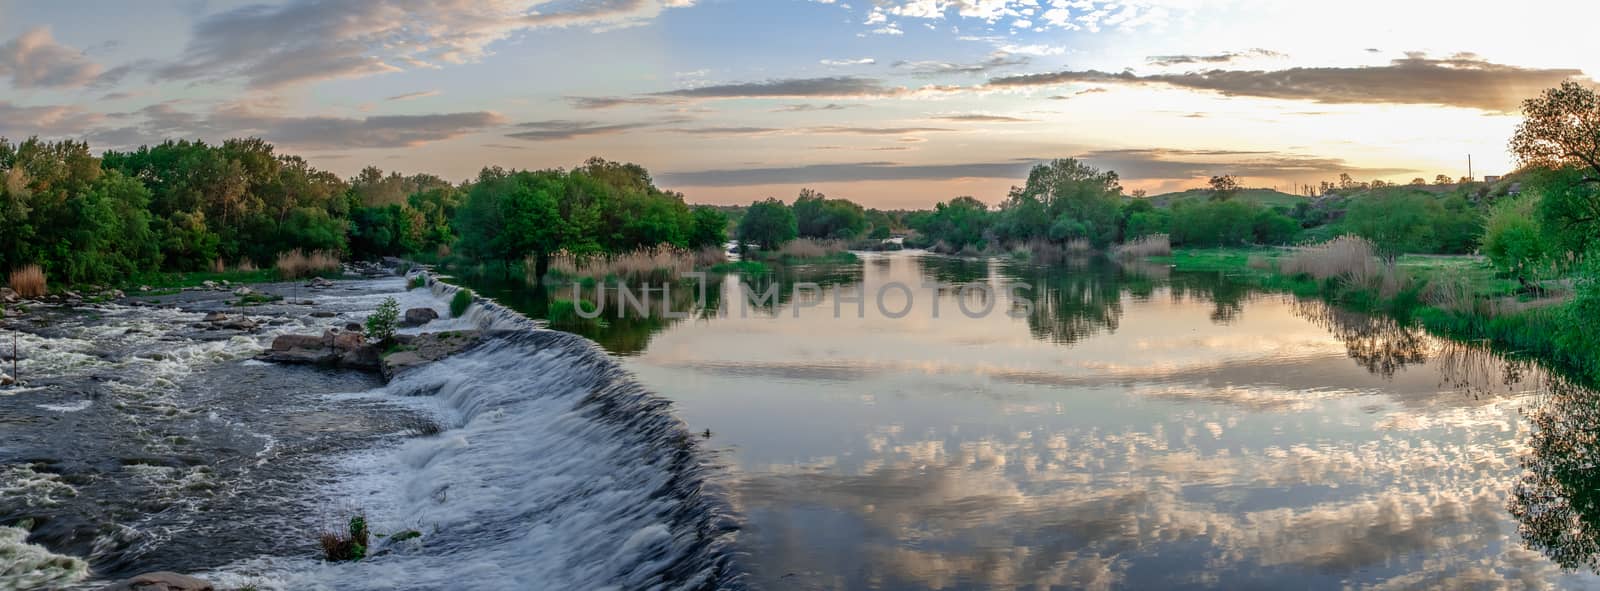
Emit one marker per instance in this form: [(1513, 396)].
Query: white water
[(555, 470)]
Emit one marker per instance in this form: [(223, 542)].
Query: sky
[(891, 103)]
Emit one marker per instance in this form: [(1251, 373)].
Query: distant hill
[(1267, 197)]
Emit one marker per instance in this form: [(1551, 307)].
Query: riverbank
[(1457, 297)]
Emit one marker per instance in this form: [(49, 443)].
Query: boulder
[(416, 350), (6, 379), (208, 284), (354, 327), (365, 357), (243, 291), (238, 323), (420, 316), (323, 314), (144, 288), (286, 342), (215, 317), (160, 581), (319, 283), (342, 340)]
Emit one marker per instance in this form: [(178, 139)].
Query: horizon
[(893, 104)]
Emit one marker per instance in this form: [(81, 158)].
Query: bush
[(381, 324), (418, 282), (460, 302), (28, 281), (1214, 223), (1513, 239)]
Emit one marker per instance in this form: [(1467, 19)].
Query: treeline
[(185, 206)]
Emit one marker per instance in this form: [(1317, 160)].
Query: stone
[(286, 342), (426, 348), (225, 283), (319, 283), (160, 581), (6, 379), (323, 314), (243, 291), (420, 316), (354, 327), (208, 284), (343, 341), (238, 323), (144, 288), (215, 317), (365, 357), (118, 294)]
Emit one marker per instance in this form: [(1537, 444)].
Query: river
[(910, 421)]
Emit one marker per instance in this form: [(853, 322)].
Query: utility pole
[(1470, 178)]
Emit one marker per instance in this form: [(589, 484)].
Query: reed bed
[(665, 262), (1347, 258), (1154, 245), (294, 264), (809, 248), (29, 281)]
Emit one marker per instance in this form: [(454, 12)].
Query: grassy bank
[(1456, 297)]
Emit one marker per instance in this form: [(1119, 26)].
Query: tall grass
[(295, 263), (28, 281), (1154, 245), (665, 262), (1346, 258)]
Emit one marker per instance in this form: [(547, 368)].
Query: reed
[(28, 281), (295, 263), (1154, 245), (808, 248), (1347, 258)]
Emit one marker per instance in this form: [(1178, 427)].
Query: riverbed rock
[(354, 327), (420, 316), (240, 323), (243, 291), (343, 341), (208, 284), (160, 581), (323, 314), (422, 349), (319, 283), (215, 317), (286, 342)]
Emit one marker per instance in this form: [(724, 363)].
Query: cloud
[(565, 129), (35, 60), (866, 61), (165, 120), (807, 107), (1462, 80), (832, 86), (1171, 164), (980, 118), (1062, 97), (997, 60), (309, 40), (413, 95), (726, 130), (590, 103), (1221, 58), (18, 121), (865, 171), (815, 130)]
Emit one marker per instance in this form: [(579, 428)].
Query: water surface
[(1131, 428)]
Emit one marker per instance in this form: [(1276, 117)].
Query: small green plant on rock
[(460, 302), (418, 282), (381, 324), (351, 544)]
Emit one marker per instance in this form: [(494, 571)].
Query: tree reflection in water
[(1381, 344), (1557, 499)]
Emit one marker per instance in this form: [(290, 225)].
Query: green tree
[(710, 227), (1223, 187), (1513, 239), (817, 216), (1396, 221), (961, 222), (1063, 200), (768, 224)]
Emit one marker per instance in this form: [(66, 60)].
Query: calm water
[(1134, 429)]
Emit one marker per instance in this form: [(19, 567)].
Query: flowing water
[(1074, 426)]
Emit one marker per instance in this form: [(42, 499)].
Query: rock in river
[(420, 316), (160, 581)]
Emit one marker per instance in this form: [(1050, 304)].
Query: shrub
[(418, 282), (1214, 223), (348, 544), (381, 324), (295, 263), (1513, 239), (28, 281), (460, 302)]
